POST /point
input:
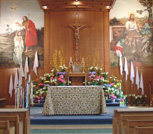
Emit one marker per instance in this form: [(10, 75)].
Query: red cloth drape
[(31, 34)]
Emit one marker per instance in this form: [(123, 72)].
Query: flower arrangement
[(54, 71), (144, 99), (61, 80), (47, 76), (39, 92), (137, 100), (92, 79), (99, 80), (113, 78), (98, 70), (91, 69), (113, 96), (62, 68), (95, 80), (53, 81), (132, 97)]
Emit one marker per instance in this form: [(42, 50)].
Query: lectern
[(77, 78)]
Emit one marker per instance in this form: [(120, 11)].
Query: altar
[(74, 100)]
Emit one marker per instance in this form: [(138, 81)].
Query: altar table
[(74, 100)]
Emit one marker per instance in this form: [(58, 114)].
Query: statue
[(77, 31)]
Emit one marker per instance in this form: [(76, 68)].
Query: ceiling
[(66, 5)]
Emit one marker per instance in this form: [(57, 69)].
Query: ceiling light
[(44, 7), (107, 7), (76, 2)]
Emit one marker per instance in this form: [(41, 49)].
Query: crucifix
[(76, 27)]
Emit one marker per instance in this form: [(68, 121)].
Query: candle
[(70, 59), (82, 59)]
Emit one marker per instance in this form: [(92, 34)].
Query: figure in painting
[(131, 23), (132, 31), (30, 32), (18, 48), (147, 48)]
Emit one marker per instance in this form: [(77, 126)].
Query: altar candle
[(70, 59), (82, 59)]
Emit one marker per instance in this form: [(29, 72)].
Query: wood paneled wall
[(5, 74), (59, 38), (127, 87)]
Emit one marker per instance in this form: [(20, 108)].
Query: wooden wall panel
[(5, 74), (126, 86), (92, 42)]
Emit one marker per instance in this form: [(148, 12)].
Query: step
[(113, 104)]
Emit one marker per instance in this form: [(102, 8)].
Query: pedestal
[(77, 78)]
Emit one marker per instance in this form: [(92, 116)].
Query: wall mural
[(21, 32), (131, 28)]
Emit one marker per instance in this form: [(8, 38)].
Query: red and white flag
[(132, 75), (126, 69), (35, 65), (26, 68), (11, 86)]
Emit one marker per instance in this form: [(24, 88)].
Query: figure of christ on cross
[(76, 31)]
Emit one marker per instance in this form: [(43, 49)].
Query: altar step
[(108, 103), (38, 119)]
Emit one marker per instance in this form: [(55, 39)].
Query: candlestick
[(70, 59), (82, 59)]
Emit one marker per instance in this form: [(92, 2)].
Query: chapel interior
[(77, 31)]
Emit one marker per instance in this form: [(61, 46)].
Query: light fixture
[(76, 2), (44, 7), (107, 7)]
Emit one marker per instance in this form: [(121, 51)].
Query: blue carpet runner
[(73, 131), (38, 119)]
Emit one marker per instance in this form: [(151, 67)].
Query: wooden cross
[(77, 27)]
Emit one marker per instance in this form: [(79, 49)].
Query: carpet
[(71, 129), (38, 119)]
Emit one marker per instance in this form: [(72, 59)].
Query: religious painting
[(21, 32), (131, 29)]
